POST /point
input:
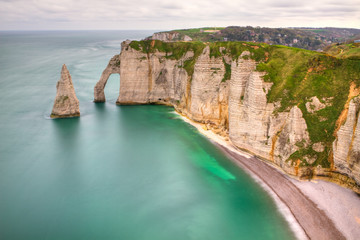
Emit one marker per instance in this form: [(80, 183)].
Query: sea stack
[(66, 103)]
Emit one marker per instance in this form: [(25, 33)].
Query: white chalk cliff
[(347, 144), (170, 37), (236, 108)]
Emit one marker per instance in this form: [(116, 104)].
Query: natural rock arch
[(112, 67)]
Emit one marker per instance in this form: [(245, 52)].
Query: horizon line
[(304, 27)]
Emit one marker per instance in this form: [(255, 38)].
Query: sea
[(117, 172)]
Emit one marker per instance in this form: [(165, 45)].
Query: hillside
[(350, 50), (306, 38)]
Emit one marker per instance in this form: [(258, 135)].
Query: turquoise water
[(118, 172)]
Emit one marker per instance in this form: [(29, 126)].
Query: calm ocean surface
[(117, 172)]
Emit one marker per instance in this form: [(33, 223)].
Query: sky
[(179, 14)]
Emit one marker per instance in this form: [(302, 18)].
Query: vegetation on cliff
[(349, 50), (173, 50), (297, 76), (306, 38), (198, 34), (177, 50)]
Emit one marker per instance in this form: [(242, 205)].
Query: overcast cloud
[(162, 14)]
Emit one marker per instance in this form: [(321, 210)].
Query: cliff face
[(252, 124), (112, 67), (149, 78), (347, 145), (237, 108), (207, 92), (66, 103), (170, 36)]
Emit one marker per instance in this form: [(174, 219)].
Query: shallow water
[(117, 172)]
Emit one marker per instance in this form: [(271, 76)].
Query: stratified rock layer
[(112, 67), (237, 108), (347, 145), (66, 103), (170, 37)]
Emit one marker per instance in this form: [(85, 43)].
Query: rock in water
[(66, 103)]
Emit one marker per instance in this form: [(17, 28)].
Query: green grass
[(192, 31), (297, 76), (227, 75), (351, 51), (316, 30), (235, 49), (197, 33), (176, 50), (173, 50)]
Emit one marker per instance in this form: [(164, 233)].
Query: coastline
[(313, 209)]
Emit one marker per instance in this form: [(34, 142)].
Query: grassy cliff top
[(306, 38), (297, 74), (351, 50)]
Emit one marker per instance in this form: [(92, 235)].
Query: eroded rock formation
[(170, 36), (66, 103), (347, 145), (237, 108), (314, 105), (112, 67)]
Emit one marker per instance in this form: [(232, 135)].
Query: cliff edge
[(294, 108), (66, 103)]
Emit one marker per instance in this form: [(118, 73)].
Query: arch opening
[(112, 88), (113, 67)]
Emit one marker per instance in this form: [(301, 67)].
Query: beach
[(314, 209)]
